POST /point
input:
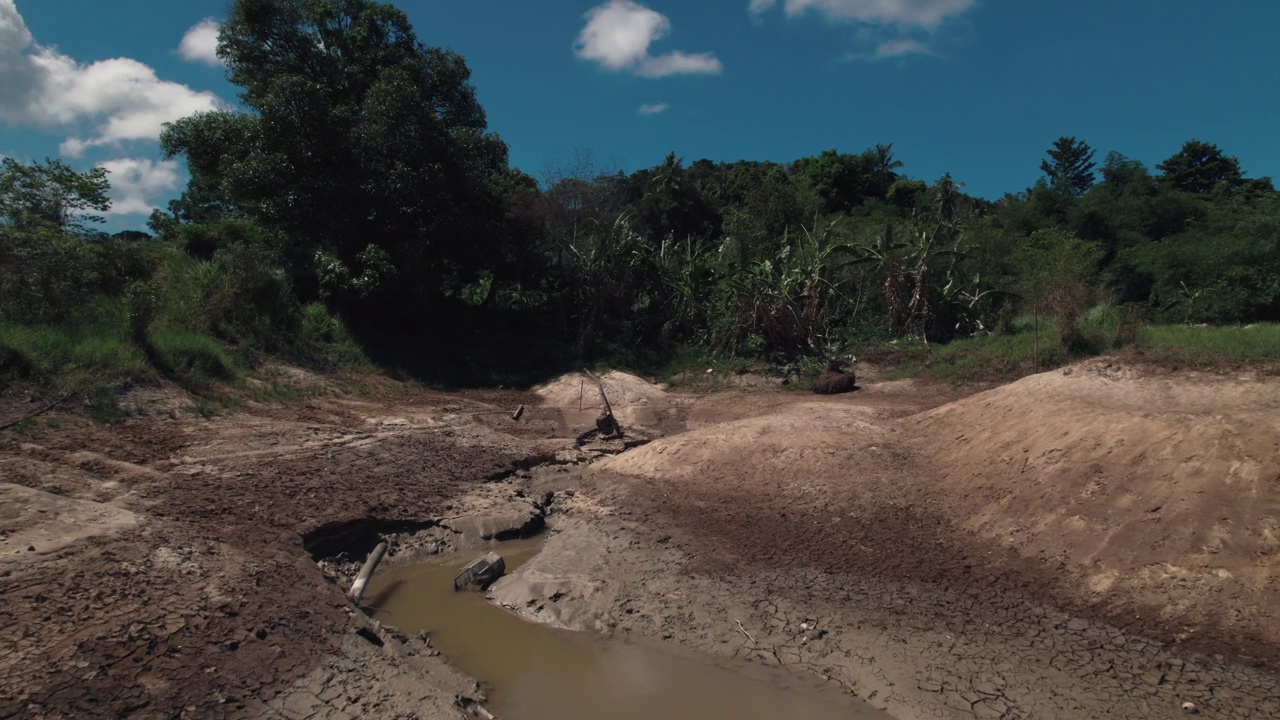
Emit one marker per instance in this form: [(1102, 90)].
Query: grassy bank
[(97, 353)]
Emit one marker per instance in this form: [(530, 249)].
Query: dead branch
[(37, 413)]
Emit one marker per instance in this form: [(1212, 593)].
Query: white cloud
[(653, 109), (926, 14), (896, 48), (115, 101), (886, 28), (618, 35), (135, 181), (200, 44)]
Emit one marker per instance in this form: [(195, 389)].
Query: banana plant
[(911, 269)]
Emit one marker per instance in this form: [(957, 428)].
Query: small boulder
[(480, 573)]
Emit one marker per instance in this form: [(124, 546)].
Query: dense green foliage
[(360, 188)]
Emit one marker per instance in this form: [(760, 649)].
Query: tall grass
[(52, 355), (1250, 342), (195, 360)]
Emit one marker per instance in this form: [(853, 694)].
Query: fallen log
[(366, 572)]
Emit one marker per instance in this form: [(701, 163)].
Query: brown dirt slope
[(1160, 492)]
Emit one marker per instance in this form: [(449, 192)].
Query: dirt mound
[(798, 439), (636, 402), (1161, 493)]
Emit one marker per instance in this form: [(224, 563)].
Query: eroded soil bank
[(857, 538)]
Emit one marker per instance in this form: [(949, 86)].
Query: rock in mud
[(480, 573)]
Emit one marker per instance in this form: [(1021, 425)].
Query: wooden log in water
[(366, 572)]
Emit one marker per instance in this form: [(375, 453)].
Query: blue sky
[(978, 88)]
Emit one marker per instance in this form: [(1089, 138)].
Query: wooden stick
[(366, 572), (41, 411), (744, 632), (603, 398)]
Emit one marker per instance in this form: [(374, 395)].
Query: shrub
[(1060, 279), (194, 359)]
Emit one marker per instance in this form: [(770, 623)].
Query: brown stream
[(533, 671)]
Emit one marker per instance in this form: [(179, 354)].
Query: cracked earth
[(1096, 542)]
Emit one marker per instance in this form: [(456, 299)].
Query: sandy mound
[(636, 402), (1158, 491), (795, 440)]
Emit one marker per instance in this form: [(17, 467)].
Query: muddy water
[(536, 672)]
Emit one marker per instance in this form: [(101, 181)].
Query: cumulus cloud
[(618, 34), (926, 14), (200, 44), (135, 181), (653, 109), (104, 103)]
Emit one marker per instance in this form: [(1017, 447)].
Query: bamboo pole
[(366, 572)]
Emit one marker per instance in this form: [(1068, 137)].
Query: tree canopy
[(356, 135), (1200, 167), (51, 195), (1069, 167), (360, 188)]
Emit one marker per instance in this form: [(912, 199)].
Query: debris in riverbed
[(1190, 708), (813, 633), (366, 572), (480, 573), (473, 706), (835, 380)]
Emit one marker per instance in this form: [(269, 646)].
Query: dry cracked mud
[(1100, 542)]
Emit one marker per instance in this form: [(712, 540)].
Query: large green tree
[(356, 135), (674, 205), (1069, 167), (1199, 167)]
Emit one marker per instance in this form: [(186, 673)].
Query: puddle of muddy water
[(537, 672)]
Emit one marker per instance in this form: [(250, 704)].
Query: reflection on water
[(536, 672)]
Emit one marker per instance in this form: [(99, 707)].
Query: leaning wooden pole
[(366, 572), (604, 400), (607, 425)]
